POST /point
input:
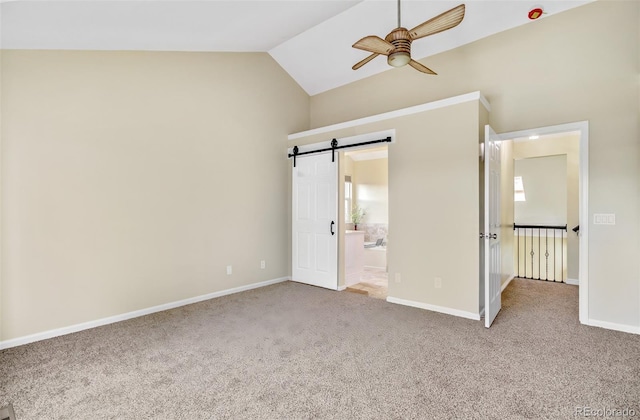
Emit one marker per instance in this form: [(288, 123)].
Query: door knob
[(488, 236)]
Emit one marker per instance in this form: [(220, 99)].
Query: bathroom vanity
[(353, 256)]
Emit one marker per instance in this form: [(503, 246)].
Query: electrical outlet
[(263, 264), (398, 279), (229, 270), (437, 283)]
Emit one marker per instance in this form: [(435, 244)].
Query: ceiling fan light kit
[(399, 59), (397, 44)]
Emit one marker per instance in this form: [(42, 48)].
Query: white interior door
[(492, 263), (315, 221)]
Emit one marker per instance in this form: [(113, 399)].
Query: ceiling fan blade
[(442, 22), (374, 44), (420, 67), (365, 61)]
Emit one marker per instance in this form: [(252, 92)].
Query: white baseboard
[(14, 342), (341, 288), (574, 282), (506, 283), (632, 329), (435, 308)]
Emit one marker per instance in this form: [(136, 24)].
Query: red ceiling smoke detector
[(535, 13)]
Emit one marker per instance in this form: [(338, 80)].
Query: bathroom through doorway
[(366, 224)]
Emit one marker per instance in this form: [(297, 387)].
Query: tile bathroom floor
[(374, 283)]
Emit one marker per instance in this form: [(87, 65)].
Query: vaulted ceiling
[(310, 39)]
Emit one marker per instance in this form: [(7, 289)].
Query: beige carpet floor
[(291, 351)]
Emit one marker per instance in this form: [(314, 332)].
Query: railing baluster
[(539, 257), (518, 239), (525, 254), (546, 254), (530, 253), (562, 256)]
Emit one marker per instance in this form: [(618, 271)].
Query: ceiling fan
[(397, 45)]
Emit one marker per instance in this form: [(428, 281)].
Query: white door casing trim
[(583, 264)]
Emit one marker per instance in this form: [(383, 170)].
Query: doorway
[(366, 221), (319, 217), (576, 241), (546, 220)]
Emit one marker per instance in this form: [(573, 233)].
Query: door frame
[(583, 198)]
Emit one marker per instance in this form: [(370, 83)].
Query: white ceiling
[(310, 39)]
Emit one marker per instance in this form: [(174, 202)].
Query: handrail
[(538, 227)]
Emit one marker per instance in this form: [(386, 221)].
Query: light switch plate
[(604, 219)]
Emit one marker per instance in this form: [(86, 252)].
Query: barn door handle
[(331, 228)]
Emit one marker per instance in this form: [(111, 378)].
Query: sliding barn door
[(492, 253), (315, 221)]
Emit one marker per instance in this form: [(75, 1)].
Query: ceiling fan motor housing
[(401, 40)]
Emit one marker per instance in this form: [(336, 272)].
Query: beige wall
[(371, 189), (131, 179), (569, 146), (1, 192), (431, 230), (549, 72), (506, 210), (545, 186)]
